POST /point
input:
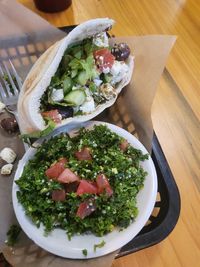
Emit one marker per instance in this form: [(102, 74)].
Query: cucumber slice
[(94, 74), (67, 85), (82, 77), (76, 97), (78, 54), (74, 73)]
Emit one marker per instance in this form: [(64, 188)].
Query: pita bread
[(40, 75)]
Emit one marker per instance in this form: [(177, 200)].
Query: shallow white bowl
[(57, 242)]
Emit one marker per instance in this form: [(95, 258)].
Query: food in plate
[(76, 79), (87, 183)]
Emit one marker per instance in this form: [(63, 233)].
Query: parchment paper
[(150, 53)]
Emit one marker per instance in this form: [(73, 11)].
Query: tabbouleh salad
[(83, 184)]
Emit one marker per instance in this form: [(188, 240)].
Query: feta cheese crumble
[(8, 155), (7, 169), (101, 39), (57, 95), (119, 71), (88, 106), (97, 82)]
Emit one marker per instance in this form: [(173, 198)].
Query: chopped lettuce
[(100, 245), (35, 135)]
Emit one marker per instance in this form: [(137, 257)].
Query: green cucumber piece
[(74, 73), (67, 85), (78, 54), (94, 73), (76, 97), (82, 77)]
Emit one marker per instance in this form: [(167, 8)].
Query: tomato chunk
[(86, 187), (124, 145), (86, 208), (83, 154), (53, 114), (103, 59), (67, 176), (56, 169), (58, 195), (103, 185)]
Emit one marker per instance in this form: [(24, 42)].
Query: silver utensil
[(10, 85)]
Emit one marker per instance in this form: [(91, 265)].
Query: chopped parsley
[(12, 235), (85, 252), (122, 168), (100, 245)]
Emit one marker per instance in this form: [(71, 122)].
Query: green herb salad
[(83, 184)]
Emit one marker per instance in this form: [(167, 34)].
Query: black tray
[(167, 207)]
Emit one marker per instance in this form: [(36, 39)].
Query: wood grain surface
[(175, 113)]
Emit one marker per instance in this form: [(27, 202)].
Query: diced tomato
[(124, 145), (67, 176), (58, 195), (103, 185), (86, 187), (83, 154), (56, 169), (109, 191), (86, 208), (53, 114), (103, 59)]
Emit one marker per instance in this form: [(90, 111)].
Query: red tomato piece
[(56, 169), (67, 176), (86, 208), (53, 114), (83, 154), (103, 59), (103, 185), (86, 187), (58, 195), (124, 145)]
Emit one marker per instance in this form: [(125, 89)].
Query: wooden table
[(175, 113)]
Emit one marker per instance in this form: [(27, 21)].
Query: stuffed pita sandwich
[(75, 79)]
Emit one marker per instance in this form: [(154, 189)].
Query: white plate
[(57, 242)]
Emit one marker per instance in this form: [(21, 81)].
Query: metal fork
[(10, 85)]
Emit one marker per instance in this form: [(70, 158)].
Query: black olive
[(121, 51), (108, 28), (71, 187), (108, 34), (10, 125), (65, 112)]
